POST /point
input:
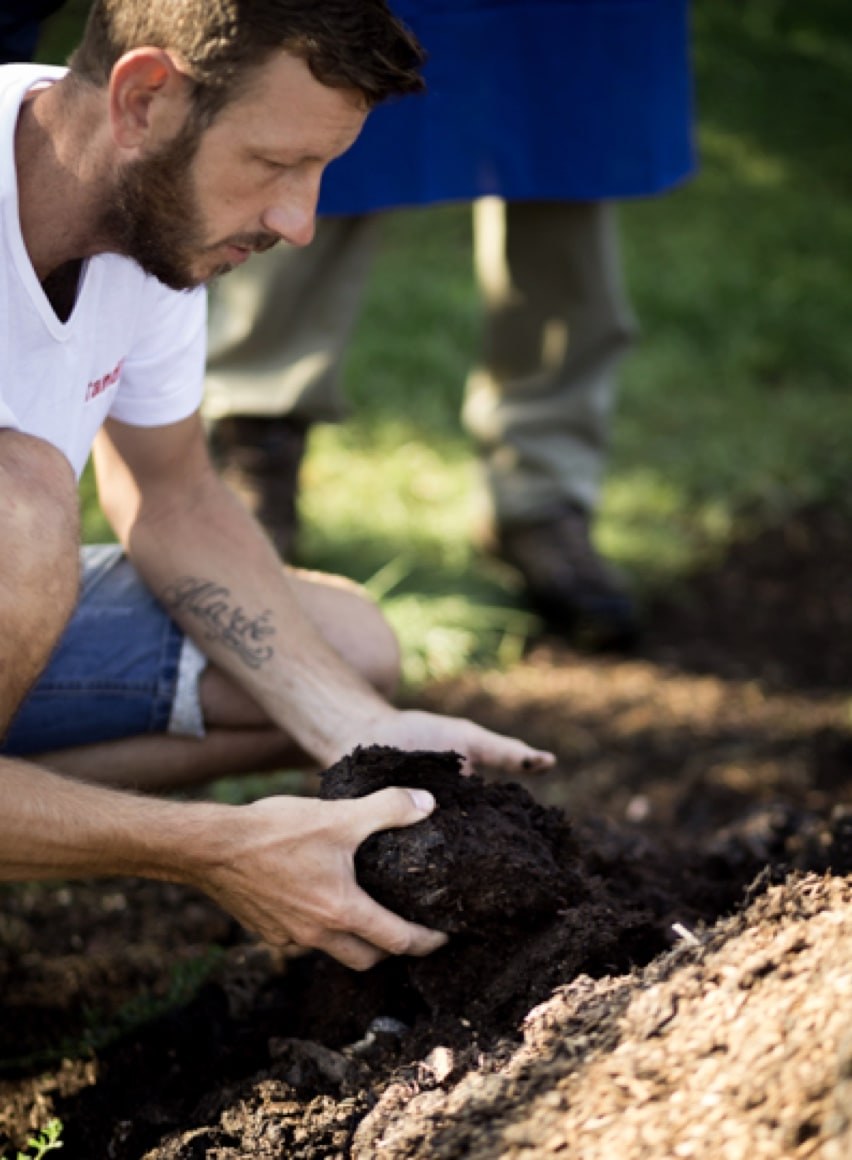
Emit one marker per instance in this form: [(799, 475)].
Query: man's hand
[(285, 868), (478, 747)]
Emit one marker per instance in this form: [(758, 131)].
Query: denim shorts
[(122, 667)]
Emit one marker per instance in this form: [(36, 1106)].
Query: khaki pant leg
[(280, 324), (557, 323)]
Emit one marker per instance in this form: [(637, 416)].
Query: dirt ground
[(651, 951)]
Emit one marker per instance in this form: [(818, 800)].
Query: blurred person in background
[(542, 116)]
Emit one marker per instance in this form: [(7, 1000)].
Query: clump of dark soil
[(649, 946), (487, 859)]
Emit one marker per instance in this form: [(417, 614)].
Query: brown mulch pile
[(651, 950), (737, 1043)]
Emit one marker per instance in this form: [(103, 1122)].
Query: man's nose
[(294, 216)]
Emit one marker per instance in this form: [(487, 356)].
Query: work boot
[(574, 590), (259, 458)]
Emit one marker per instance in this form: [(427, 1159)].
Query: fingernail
[(423, 800)]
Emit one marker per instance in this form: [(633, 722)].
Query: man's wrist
[(367, 730), (188, 845)]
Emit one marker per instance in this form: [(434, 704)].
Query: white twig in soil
[(685, 934)]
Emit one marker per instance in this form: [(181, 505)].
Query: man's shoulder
[(16, 79), (19, 76)]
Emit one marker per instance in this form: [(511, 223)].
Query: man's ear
[(148, 99)]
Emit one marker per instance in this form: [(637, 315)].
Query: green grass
[(735, 407)]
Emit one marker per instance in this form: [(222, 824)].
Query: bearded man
[(183, 138)]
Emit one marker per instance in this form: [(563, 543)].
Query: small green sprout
[(46, 1141)]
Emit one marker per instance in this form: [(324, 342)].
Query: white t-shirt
[(132, 349)]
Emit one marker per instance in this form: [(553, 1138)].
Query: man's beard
[(153, 216)]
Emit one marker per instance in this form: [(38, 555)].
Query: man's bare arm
[(207, 559), (282, 867)]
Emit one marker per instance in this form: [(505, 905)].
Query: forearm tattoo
[(223, 621)]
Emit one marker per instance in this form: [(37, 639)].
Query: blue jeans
[(121, 668)]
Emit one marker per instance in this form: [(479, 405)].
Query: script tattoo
[(213, 606)]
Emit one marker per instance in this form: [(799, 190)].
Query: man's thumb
[(389, 808), (423, 801)]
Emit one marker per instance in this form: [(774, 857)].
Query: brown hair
[(357, 44)]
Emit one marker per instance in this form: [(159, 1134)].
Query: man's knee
[(354, 625), (379, 659), (39, 539), (39, 512)]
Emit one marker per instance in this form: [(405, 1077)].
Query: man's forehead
[(284, 81), (285, 110)]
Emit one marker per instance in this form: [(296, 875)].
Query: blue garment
[(20, 25), (575, 100), (17, 41), (115, 671)]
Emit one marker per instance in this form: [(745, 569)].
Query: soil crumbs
[(651, 945)]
